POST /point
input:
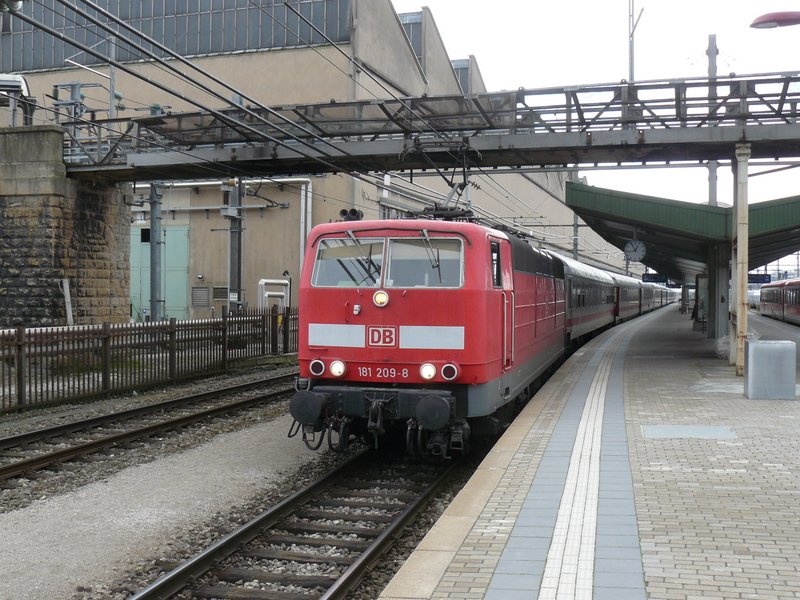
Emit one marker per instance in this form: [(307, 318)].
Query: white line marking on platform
[(569, 570)]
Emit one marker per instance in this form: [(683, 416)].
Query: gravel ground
[(102, 529), (23, 491)]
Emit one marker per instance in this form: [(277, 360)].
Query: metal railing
[(42, 366), (682, 105)]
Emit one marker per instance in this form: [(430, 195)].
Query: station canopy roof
[(679, 236)]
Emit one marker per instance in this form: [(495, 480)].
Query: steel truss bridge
[(677, 121)]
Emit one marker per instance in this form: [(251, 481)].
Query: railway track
[(318, 543), (28, 452)]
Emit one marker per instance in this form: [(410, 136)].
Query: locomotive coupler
[(439, 443), (459, 436), (375, 422)]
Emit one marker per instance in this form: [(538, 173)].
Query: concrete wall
[(442, 78), (380, 43), (289, 76), (50, 230), (476, 83)]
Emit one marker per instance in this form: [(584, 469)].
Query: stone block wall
[(53, 228)]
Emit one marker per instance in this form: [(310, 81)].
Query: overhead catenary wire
[(219, 172), (222, 172), (182, 60), (144, 52), (373, 77), (224, 118), (231, 122), (188, 63), (334, 65), (191, 65), (365, 68)]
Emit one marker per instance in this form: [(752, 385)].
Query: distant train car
[(437, 330), (781, 300), (628, 300), (651, 296), (590, 298)]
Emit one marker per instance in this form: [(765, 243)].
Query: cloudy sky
[(536, 43)]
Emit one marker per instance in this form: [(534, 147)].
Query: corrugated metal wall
[(189, 27)]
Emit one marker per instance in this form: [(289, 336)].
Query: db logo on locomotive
[(382, 336)]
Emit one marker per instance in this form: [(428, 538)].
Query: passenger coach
[(781, 300)]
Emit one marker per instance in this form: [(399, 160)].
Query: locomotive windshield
[(411, 262), (348, 263), (428, 262)]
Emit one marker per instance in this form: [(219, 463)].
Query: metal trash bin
[(770, 369)]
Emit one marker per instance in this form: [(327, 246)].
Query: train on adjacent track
[(781, 300), (439, 330)]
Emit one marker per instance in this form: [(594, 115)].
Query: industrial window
[(461, 67), (412, 24), (390, 212), (188, 28)]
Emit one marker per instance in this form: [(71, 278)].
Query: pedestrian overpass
[(676, 122)]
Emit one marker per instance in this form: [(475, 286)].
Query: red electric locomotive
[(433, 327), (436, 329)]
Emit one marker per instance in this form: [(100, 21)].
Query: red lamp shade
[(776, 19)]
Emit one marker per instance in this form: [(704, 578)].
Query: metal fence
[(40, 366)]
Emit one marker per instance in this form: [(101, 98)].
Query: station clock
[(634, 250)]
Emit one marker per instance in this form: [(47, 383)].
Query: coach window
[(497, 267)]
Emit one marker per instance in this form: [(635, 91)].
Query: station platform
[(639, 470)]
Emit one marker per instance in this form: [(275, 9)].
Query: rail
[(43, 366)]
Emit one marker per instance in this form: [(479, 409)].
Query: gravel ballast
[(105, 527), (95, 533)]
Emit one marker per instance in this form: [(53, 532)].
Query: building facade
[(337, 50)]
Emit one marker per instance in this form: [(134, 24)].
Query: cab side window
[(497, 269)]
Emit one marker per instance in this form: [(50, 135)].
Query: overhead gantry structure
[(675, 122)]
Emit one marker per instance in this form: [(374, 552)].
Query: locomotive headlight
[(427, 371), (317, 367), (380, 298), (450, 371), (337, 368)]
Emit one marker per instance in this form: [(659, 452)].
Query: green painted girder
[(696, 220), (679, 236)]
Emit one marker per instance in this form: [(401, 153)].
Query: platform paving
[(640, 470)]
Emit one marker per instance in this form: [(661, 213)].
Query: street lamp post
[(632, 23), (766, 21)]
